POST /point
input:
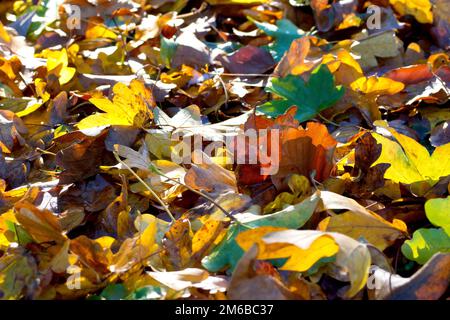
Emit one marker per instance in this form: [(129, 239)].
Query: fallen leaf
[(411, 163), (429, 283), (42, 225), (284, 32), (246, 284), (130, 107), (227, 253), (420, 9), (310, 97), (437, 212), (425, 243)]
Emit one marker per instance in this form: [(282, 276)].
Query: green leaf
[(114, 292), (146, 293), (228, 252), (311, 98), (168, 49), (425, 243), (438, 212), (284, 32)]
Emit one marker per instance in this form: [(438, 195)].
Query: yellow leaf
[(350, 20), (57, 64), (211, 232), (40, 86), (131, 106), (371, 227), (410, 161), (6, 236), (300, 189), (4, 34), (135, 251), (42, 225), (302, 254), (420, 9), (349, 69), (10, 67), (96, 29), (377, 86), (352, 258)]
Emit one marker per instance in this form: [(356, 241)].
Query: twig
[(166, 208), (156, 170), (194, 12), (328, 121)]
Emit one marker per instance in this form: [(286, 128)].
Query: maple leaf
[(411, 162), (130, 107), (311, 97), (284, 32)]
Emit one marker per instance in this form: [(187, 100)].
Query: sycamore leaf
[(411, 163), (311, 98), (366, 91), (438, 212), (359, 222), (130, 107), (284, 32), (425, 243), (420, 9)]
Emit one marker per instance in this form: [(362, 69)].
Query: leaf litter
[(349, 100)]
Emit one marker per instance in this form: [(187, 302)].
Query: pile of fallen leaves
[(94, 92)]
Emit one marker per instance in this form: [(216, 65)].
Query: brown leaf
[(81, 158), (11, 130), (248, 59), (90, 253), (42, 225), (429, 283), (247, 284), (177, 244)]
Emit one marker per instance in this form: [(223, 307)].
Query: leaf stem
[(166, 208)]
